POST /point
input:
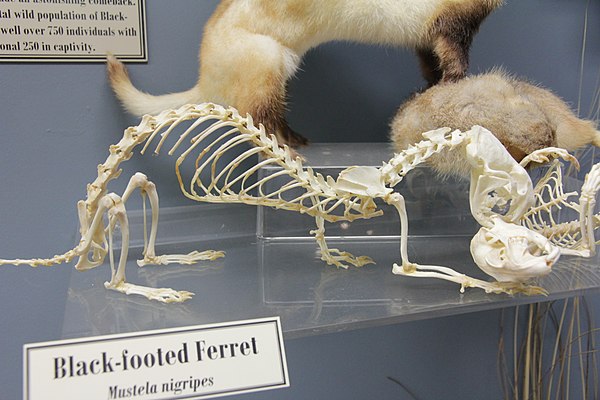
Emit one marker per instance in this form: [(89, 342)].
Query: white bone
[(493, 170), (573, 237), (519, 239), (512, 253)]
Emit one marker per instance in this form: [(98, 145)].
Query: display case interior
[(272, 264)]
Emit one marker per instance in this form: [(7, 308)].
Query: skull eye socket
[(499, 205)]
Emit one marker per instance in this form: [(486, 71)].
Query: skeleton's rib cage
[(227, 151), (575, 236), (227, 156)]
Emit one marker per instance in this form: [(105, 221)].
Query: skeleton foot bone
[(335, 256), (465, 281), (164, 295), (338, 258), (184, 259)]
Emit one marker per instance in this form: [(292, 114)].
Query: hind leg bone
[(148, 189), (114, 207), (117, 214)]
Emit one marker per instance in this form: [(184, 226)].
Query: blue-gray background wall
[(57, 121)]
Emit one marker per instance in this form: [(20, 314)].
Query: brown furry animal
[(250, 48), (524, 117)]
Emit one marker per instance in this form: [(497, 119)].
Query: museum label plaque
[(185, 363), (72, 30)]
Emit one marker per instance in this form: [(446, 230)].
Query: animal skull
[(497, 181), (512, 253)]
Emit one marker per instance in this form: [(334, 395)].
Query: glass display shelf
[(436, 206), (259, 278), (272, 265)]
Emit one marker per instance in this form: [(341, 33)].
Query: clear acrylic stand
[(279, 271), (436, 206)]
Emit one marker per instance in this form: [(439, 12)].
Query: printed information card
[(185, 363), (72, 30)]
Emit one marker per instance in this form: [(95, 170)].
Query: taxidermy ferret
[(524, 117), (250, 48)]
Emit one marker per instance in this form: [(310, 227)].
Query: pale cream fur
[(524, 117), (250, 48)]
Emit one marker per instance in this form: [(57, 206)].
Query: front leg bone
[(544, 155), (465, 281), (411, 269)]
